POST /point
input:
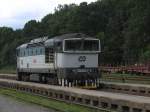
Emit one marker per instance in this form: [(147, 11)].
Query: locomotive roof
[(56, 38), (71, 35)]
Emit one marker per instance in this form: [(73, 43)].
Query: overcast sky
[(15, 13)]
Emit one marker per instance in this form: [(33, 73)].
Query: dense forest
[(122, 25)]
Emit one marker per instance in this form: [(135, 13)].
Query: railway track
[(132, 69), (127, 79), (92, 98)]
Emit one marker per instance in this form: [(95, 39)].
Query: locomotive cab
[(76, 60)]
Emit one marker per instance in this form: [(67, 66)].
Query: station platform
[(92, 98)]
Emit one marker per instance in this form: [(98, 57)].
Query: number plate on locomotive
[(81, 70)]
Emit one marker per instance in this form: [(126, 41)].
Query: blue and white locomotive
[(66, 60)]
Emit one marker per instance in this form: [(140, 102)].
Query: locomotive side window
[(33, 51), (26, 52), (40, 51), (21, 53), (36, 51), (30, 51)]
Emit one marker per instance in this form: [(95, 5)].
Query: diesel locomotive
[(66, 60)]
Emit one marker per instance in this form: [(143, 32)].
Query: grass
[(45, 102), (8, 70)]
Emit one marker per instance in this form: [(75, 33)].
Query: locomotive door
[(49, 55)]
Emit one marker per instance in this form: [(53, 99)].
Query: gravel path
[(8, 104)]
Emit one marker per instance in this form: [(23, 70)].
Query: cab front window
[(81, 45)]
